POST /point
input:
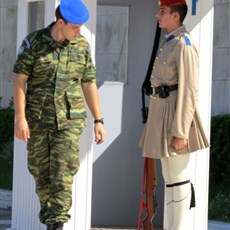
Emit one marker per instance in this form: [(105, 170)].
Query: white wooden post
[(203, 33), (200, 26), (25, 205)]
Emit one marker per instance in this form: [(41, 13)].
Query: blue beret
[(74, 11)]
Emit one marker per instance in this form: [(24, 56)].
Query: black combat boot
[(56, 226)]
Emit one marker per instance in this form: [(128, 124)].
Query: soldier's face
[(71, 31), (165, 18)]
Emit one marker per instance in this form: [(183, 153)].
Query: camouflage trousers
[(53, 160)]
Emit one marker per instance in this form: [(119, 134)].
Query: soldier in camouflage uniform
[(54, 71)]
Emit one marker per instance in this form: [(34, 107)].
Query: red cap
[(171, 2)]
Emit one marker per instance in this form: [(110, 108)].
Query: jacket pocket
[(75, 106), (77, 64)]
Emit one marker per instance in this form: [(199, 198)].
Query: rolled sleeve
[(90, 70)]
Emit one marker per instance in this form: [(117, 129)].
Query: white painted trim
[(50, 7), (22, 23), (201, 159)]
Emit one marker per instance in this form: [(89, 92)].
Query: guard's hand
[(21, 130), (179, 143), (99, 133)]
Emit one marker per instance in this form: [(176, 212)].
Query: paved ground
[(5, 217), (5, 214), (3, 227), (112, 228)]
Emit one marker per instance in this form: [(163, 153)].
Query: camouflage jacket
[(55, 71)]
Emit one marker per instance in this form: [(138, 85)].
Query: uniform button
[(154, 67), (156, 57), (151, 76), (164, 62), (161, 49)]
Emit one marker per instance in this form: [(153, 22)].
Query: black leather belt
[(164, 90)]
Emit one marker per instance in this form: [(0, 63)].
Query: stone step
[(214, 225), (5, 199)]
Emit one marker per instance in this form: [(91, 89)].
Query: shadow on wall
[(117, 173)]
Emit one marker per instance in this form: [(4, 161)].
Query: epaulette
[(187, 41), (27, 42)]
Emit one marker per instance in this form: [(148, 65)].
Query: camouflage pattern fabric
[(56, 113), (53, 160), (55, 70)]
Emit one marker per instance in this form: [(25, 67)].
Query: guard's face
[(165, 18), (71, 31)]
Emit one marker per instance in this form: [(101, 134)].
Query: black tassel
[(193, 199)]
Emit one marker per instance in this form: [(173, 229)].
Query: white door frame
[(25, 205)]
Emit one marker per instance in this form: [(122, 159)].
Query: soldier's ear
[(176, 15), (60, 22)]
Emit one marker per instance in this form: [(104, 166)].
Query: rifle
[(149, 181), (146, 88)]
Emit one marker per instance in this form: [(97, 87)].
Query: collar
[(177, 32), (48, 37)]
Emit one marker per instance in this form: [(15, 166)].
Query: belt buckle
[(154, 94)]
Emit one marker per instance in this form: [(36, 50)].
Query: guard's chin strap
[(193, 200)]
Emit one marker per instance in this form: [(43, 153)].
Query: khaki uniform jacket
[(176, 63)]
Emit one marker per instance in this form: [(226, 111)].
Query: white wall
[(201, 28), (118, 163), (8, 35), (221, 58)]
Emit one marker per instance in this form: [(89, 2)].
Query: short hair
[(181, 9), (58, 15)]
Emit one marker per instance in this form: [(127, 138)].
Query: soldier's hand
[(21, 130), (178, 143), (99, 133)]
